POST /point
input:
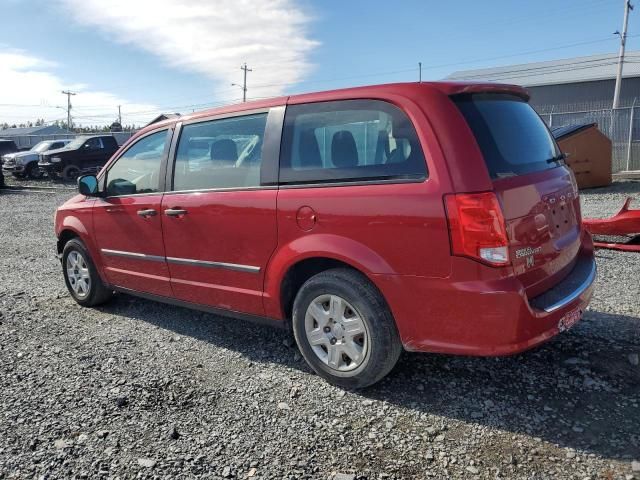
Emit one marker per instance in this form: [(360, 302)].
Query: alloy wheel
[(78, 274)]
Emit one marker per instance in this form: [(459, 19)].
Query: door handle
[(175, 212), (150, 212)]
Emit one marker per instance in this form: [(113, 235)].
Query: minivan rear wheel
[(344, 329), (81, 277)]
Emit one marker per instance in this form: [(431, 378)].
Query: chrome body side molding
[(181, 261)]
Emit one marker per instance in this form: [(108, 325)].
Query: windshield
[(512, 137), (41, 147)]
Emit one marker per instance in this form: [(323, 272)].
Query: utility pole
[(420, 72), (68, 94), (623, 40), (244, 83), (119, 116)]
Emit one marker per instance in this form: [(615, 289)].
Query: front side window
[(349, 140), (93, 144), (225, 153), (138, 169)]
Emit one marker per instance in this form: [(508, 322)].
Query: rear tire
[(344, 329), (81, 276)]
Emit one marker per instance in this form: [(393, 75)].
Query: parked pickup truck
[(86, 154), (25, 164)]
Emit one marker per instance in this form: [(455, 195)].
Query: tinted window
[(349, 140), (109, 142), (512, 137), (138, 169), (223, 153), (93, 144)]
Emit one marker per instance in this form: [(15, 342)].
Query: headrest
[(309, 150), (344, 153), (225, 151)]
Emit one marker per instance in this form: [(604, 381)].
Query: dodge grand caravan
[(433, 217)]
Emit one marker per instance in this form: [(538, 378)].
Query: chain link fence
[(621, 125)]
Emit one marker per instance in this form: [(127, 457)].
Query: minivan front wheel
[(344, 329), (81, 277)]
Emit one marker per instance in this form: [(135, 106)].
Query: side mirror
[(88, 185)]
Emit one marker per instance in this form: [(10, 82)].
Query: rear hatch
[(537, 191)]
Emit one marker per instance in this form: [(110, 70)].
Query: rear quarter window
[(350, 140), (512, 137)]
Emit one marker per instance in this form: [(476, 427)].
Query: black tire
[(70, 173), (33, 171), (97, 293), (383, 342)]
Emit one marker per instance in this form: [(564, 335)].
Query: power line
[(559, 69)]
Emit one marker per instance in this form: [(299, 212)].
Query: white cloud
[(31, 90), (211, 37)]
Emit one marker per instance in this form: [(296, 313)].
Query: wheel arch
[(64, 237), (298, 261), (73, 227)]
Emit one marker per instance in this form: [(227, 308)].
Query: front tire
[(33, 171), (70, 173), (81, 276), (344, 329)]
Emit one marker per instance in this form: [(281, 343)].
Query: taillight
[(477, 228)]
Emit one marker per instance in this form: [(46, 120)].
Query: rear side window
[(224, 153), (512, 137), (351, 140)]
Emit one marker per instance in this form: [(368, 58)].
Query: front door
[(127, 221), (92, 154), (219, 224)]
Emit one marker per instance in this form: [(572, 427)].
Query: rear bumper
[(486, 317)]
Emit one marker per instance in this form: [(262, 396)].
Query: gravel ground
[(140, 389)]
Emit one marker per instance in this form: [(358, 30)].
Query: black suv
[(85, 154)]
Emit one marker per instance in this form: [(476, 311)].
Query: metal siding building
[(29, 136), (42, 130), (568, 85)]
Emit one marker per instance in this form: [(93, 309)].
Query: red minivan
[(432, 217)]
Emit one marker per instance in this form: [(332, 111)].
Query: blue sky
[(180, 55)]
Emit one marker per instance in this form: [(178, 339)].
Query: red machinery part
[(625, 223)]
